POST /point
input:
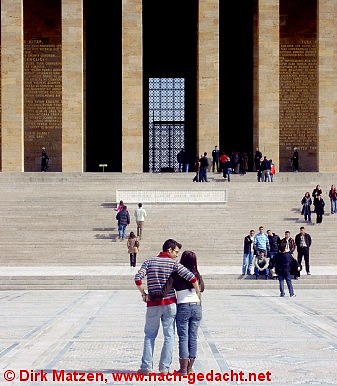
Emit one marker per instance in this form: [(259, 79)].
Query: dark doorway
[(103, 80), (170, 52), (236, 76)]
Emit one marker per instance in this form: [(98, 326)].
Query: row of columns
[(266, 83)]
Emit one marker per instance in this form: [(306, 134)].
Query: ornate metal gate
[(166, 122)]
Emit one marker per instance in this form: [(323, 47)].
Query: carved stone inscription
[(299, 100), (42, 102), (298, 117)]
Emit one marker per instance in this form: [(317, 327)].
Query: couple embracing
[(173, 298)]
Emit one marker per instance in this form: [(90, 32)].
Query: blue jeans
[(121, 231), (188, 320), (167, 315), (257, 272), (285, 276), (247, 262), (333, 206), (228, 174)]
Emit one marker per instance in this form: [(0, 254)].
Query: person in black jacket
[(204, 164), (44, 160), (274, 242), (123, 218), (303, 243), (282, 267), (319, 209), (248, 253)]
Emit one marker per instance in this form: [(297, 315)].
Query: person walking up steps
[(133, 248), (140, 214), (123, 219)]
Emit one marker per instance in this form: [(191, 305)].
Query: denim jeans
[(228, 174), (333, 206), (121, 231), (257, 272), (167, 315), (285, 276), (247, 263), (188, 320)]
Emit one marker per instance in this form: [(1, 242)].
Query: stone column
[(266, 87), (327, 75), (72, 86), (132, 87), (208, 77), (12, 85)]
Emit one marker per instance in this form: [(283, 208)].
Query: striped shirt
[(157, 271)]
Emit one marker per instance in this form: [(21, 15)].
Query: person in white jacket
[(140, 214)]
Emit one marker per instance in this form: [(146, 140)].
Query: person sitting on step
[(261, 264)]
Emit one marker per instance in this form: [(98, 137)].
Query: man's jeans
[(121, 231), (285, 276), (188, 320), (167, 315), (247, 263), (333, 206)]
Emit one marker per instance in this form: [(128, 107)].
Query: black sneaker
[(282, 295), (293, 296)]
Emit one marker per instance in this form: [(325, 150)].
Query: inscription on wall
[(42, 102), (298, 85)]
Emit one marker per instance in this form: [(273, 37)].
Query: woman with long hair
[(189, 312), (306, 206), (132, 245)]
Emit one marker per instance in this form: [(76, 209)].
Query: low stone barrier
[(172, 196)]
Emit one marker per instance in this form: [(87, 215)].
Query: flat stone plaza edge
[(85, 333)]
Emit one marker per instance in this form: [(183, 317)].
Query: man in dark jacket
[(303, 243), (288, 243), (248, 253), (204, 164), (274, 242), (123, 219), (282, 267)]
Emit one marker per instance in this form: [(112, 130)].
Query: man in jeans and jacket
[(158, 269), (248, 253), (123, 219)]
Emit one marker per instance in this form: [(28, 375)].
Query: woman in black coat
[(319, 209)]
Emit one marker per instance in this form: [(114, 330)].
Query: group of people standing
[(173, 298), (272, 256), (237, 163), (317, 200), (123, 220), (265, 168)]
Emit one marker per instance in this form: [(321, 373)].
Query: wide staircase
[(58, 230)]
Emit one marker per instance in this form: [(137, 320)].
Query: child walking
[(133, 245)]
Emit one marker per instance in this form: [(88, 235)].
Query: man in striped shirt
[(157, 271)]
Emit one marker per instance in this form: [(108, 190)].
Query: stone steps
[(58, 219), (111, 282)]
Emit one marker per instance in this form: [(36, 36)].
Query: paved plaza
[(88, 333)]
